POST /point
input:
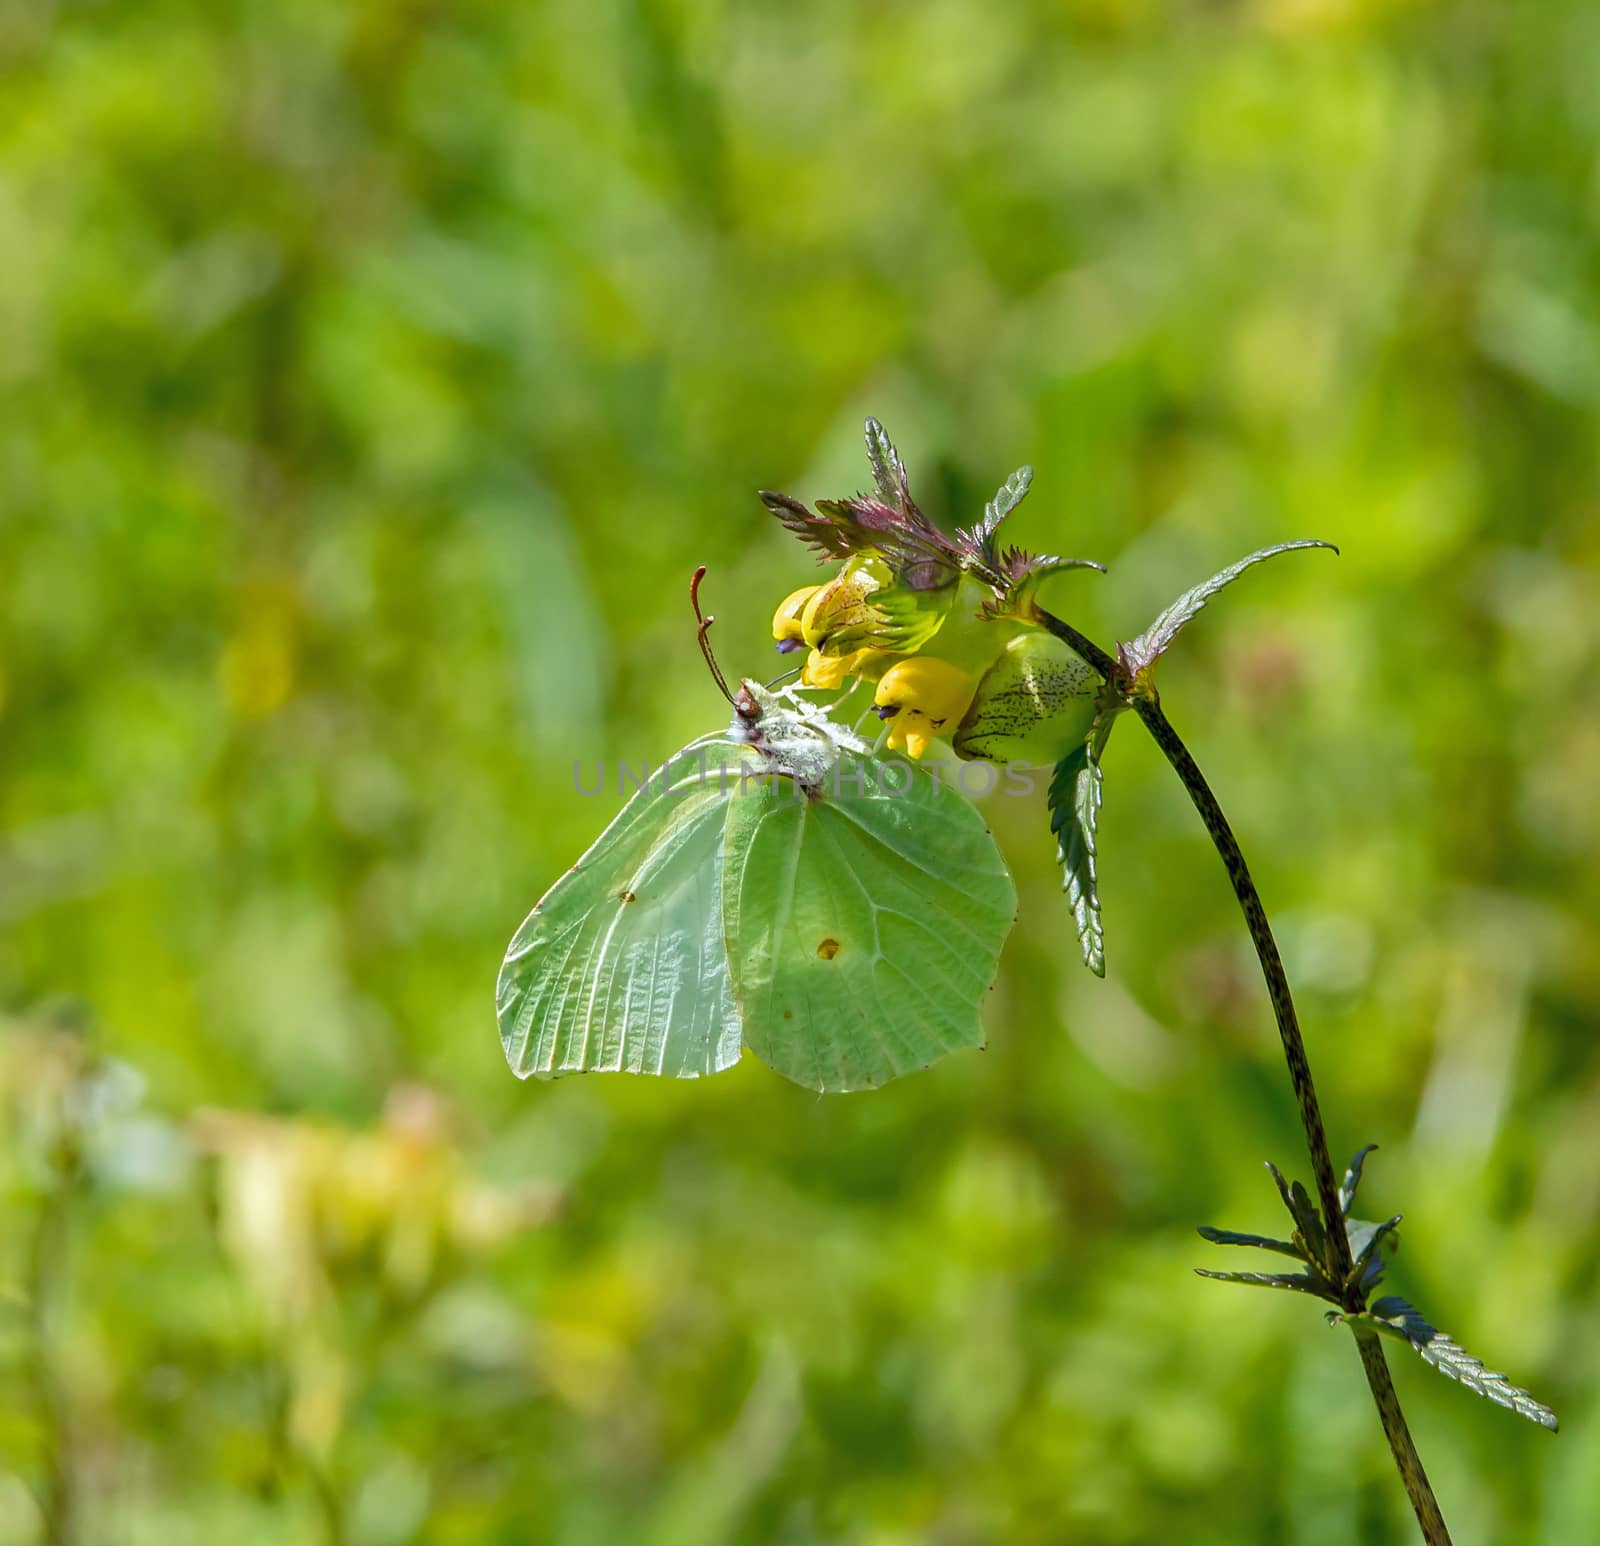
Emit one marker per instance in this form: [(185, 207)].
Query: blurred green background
[(372, 376)]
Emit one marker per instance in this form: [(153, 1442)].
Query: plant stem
[(1406, 1459), (1148, 708), (1141, 696), (1394, 1426)]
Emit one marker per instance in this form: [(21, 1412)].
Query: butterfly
[(776, 887)]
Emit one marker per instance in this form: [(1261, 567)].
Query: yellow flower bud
[(1034, 704), (786, 628)]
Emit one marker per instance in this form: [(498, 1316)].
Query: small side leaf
[(1283, 1188), (1018, 576), (828, 540), (888, 471), (1261, 1242), (1352, 1178), (1307, 1221), (1297, 1282), (1368, 1242), (1011, 493), (1310, 1222), (1396, 1318), (1075, 796), (1153, 643)]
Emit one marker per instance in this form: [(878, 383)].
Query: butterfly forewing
[(622, 965), (864, 922)]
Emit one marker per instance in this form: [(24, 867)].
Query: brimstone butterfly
[(776, 887)]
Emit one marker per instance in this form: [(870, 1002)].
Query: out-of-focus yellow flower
[(924, 698), (257, 668)]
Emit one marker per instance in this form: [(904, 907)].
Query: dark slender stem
[(1423, 1502), (1399, 1436), (1148, 709), (1141, 696)]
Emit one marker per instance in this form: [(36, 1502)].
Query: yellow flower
[(827, 672), (946, 623), (840, 615), (924, 698), (786, 628)]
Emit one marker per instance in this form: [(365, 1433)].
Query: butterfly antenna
[(705, 628)]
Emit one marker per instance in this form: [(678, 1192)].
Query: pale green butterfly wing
[(864, 922), (621, 966)]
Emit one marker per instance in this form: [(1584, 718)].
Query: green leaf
[(1310, 1221), (1019, 575), (1368, 1242), (1396, 1318), (888, 471), (1153, 643), (1261, 1242), (1352, 1178), (1010, 494), (1365, 1237), (1297, 1282), (1074, 801), (1309, 1232)]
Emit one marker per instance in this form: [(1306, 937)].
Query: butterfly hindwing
[(864, 922), (622, 966)]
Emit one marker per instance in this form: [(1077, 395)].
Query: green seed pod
[(1034, 704)]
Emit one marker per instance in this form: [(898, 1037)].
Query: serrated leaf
[(1019, 574), (1296, 1282), (1307, 1221), (1074, 801), (1261, 1242), (1282, 1186), (1010, 494), (888, 471), (1396, 1318), (1365, 1237), (1352, 1178), (1367, 1244), (1153, 643), (1310, 1222)]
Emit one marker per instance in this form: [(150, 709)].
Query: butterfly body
[(794, 738)]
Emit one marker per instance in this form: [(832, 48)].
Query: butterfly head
[(748, 712)]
